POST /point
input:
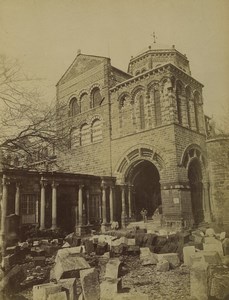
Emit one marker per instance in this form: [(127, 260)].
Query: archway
[(145, 179), (196, 189)]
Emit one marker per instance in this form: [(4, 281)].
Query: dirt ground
[(171, 285)]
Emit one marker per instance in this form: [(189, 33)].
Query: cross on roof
[(154, 37)]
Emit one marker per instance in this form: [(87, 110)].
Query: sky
[(44, 35)]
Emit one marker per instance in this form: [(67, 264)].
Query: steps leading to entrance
[(153, 225)]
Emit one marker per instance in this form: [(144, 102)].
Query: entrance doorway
[(196, 186), (145, 178)]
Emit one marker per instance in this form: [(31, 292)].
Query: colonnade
[(126, 204)]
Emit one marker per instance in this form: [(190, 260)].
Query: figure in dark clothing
[(144, 215)]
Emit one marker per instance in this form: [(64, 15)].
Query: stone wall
[(218, 165)]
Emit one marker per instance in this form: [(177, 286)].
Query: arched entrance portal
[(196, 186), (144, 177)]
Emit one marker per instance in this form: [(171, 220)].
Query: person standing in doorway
[(144, 215)]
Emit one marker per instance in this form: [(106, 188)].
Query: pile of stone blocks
[(209, 271)]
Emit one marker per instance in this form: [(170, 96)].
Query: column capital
[(130, 186), (43, 182), (5, 180), (80, 185), (123, 186), (18, 184), (55, 184)]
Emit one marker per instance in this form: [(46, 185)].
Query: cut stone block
[(210, 257), (109, 289), (13, 278), (199, 280), (133, 249), (144, 252), (219, 283), (214, 247), (58, 296), (63, 253), (162, 266), (132, 296), (42, 291), (210, 232), (69, 286), (210, 240), (66, 245), (172, 258), (8, 261), (222, 235), (188, 251), (225, 245), (90, 284), (89, 246), (113, 268), (67, 266), (147, 257), (131, 242), (116, 242), (225, 260)]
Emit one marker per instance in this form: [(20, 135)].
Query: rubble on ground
[(163, 265)]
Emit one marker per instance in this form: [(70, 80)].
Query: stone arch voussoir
[(135, 154)]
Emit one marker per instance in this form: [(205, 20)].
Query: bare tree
[(28, 122)]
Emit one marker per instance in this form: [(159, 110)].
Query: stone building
[(136, 139), (218, 167)]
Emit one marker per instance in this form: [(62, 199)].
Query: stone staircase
[(153, 225)]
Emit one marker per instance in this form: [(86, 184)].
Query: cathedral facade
[(145, 128), (134, 140)]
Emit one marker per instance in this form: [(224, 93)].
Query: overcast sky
[(46, 34)]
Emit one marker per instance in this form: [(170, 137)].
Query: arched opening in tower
[(196, 189), (145, 179)]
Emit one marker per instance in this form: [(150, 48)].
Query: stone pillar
[(80, 204), (111, 199), (17, 199), (206, 202), (104, 208), (42, 207), (123, 215), (5, 183), (130, 201), (88, 207), (54, 205)]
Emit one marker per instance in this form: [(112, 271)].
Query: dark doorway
[(196, 186), (145, 179), (65, 212)]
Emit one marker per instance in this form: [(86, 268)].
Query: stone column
[(5, 183), (17, 199), (123, 215), (42, 208), (130, 201), (80, 204), (88, 207), (206, 202), (111, 199), (54, 205), (104, 208)]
